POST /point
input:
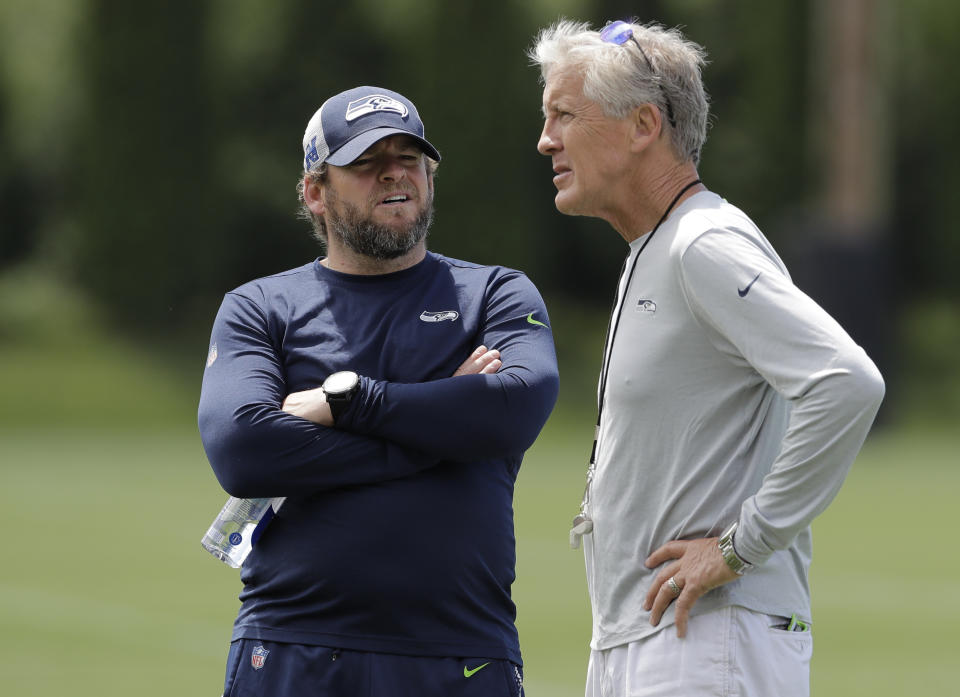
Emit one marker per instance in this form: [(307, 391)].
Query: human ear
[(646, 125), (313, 195)]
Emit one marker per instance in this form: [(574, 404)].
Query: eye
[(556, 114)]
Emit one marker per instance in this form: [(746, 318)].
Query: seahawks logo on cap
[(372, 104)]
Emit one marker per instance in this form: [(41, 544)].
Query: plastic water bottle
[(237, 528)]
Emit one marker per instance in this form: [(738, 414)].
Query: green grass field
[(105, 493), (106, 591)]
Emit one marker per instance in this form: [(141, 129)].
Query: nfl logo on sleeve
[(258, 657)]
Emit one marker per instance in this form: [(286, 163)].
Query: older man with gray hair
[(731, 406)]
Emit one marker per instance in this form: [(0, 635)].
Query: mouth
[(560, 173), (395, 199)]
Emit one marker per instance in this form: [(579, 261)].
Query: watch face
[(341, 382)]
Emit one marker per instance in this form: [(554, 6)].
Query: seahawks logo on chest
[(443, 315)]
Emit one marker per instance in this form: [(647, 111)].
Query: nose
[(548, 143), (392, 170)]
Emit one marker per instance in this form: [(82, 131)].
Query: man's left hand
[(310, 405), (482, 361), (699, 567)]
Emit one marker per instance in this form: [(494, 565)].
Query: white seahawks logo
[(374, 103), (646, 305), (427, 316)]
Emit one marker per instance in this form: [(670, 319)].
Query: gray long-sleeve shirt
[(731, 396)]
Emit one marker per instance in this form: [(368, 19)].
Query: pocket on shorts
[(234, 662), (789, 640), (514, 676)]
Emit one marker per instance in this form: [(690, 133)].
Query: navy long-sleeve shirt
[(397, 533)]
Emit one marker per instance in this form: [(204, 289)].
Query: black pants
[(270, 669)]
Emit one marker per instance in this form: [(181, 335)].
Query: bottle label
[(261, 526)]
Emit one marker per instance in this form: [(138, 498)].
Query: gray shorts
[(729, 651)]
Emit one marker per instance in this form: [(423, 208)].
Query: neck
[(650, 198), (343, 259)]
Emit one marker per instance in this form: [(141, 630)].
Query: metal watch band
[(737, 564)]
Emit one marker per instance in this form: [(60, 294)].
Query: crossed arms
[(262, 440)]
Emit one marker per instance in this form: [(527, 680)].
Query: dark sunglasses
[(619, 33)]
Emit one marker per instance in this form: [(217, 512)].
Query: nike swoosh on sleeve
[(531, 320), (743, 291)]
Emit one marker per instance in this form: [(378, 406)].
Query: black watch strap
[(339, 390)]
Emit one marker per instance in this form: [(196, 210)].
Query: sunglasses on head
[(619, 33)]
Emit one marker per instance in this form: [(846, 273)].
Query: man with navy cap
[(389, 394)]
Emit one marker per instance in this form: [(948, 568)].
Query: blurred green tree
[(19, 200), (141, 153), (159, 162)]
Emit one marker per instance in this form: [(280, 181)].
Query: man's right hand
[(312, 404), (482, 361)]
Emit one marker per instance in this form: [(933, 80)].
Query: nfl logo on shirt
[(258, 657)]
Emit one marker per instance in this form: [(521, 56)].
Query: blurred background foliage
[(149, 154)]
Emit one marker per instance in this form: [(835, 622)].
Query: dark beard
[(373, 240)]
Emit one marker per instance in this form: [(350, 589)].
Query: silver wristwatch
[(737, 563)]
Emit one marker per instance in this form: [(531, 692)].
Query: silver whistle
[(582, 525)]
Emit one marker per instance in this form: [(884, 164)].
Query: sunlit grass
[(105, 493), (104, 582)]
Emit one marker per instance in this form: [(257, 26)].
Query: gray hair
[(319, 175), (619, 78)]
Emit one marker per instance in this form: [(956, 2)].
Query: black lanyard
[(611, 335)]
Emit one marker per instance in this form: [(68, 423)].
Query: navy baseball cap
[(347, 124)]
